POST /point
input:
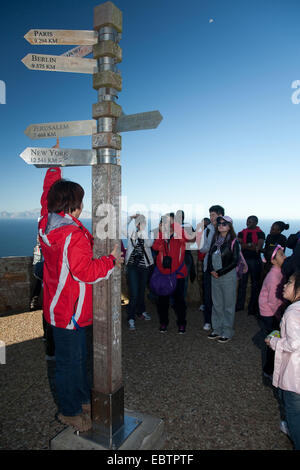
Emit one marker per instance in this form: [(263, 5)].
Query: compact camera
[(167, 262)]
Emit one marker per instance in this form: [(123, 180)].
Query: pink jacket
[(269, 300), (287, 351)]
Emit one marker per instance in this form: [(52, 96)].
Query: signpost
[(139, 121), (46, 157), (56, 63), (111, 426), (61, 36), (61, 129)]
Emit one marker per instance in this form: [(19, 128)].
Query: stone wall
[(16, 284), (17, 281)]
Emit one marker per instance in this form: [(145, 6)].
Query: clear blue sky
[(230, 132)]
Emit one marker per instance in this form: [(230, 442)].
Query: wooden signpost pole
[(111, 426)]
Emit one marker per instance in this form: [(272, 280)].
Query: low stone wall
[(16, 284)]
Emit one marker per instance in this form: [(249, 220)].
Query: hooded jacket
[(287, 351), (69, 268)]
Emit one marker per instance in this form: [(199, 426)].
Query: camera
[(167, 262)]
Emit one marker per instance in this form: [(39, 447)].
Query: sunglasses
[(222, 223)]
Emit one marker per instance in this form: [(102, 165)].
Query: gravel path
[(210, 395)]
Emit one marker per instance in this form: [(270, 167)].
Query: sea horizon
[(18, 236)]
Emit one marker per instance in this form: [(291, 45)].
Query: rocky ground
[(210, 395)]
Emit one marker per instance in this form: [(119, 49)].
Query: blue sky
[(230, 131)]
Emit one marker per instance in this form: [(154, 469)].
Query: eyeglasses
[(222, 223)]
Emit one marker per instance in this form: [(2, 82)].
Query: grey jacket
[(208, 236)]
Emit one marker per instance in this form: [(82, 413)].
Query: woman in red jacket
[(69, 272), (170, 245)]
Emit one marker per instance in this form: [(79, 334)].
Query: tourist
[(271, 301), (69, 272), (170, 245), (251, 240), (287, 358), (200, 261), (275, 236), (293, 240), (222, 261), (138, 262), (207, 237), (188, 258)]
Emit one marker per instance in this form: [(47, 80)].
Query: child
[(270, 300), (287, 358)]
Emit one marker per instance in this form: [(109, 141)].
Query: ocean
[(18, 236)]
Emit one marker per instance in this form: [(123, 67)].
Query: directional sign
[(139, 121), (80, 51), (61, 129), (45, 157), (54, 63), (61, 36)]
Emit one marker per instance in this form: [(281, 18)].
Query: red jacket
[(175, 248), (69, 267)]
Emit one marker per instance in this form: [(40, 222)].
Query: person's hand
[(267, 340), (119, 259), (214, 274), (200, 226)]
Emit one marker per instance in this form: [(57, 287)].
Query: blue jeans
[(71, 379), (137, 278), (291, 401)]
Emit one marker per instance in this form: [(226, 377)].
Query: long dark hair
[(296, 277), (231, 235)]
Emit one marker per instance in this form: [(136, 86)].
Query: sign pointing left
[(61, 36), (55, 63), (45, 157)]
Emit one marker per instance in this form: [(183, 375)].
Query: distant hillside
[(32, 214)]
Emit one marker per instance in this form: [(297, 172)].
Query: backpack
[(164, 284), (242, 266)]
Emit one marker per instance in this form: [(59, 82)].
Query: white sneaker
[(202, 308), (146, 316), (207, 327), (284, 427), (131, 324)]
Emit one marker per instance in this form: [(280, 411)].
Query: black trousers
[(179, 305), (255, 272)]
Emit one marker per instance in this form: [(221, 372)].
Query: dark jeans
[(71, 380), (255, 272), (137, 279), (268, 324), (207, 296), (291, 401), (179, 305)]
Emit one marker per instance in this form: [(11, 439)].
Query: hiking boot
[(86, 408), (81, 422)]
